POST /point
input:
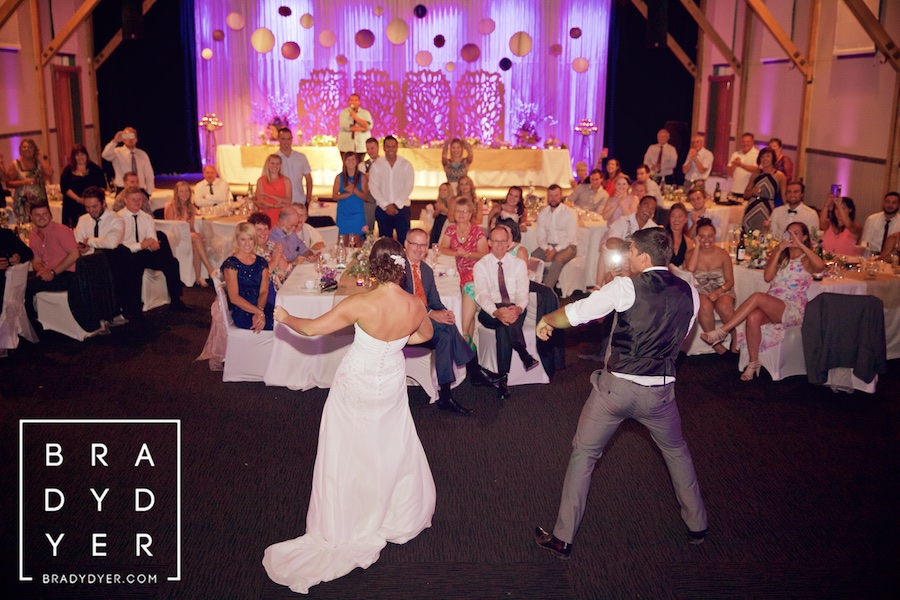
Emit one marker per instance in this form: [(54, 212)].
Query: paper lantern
[(218, 35), (378, 10), (520, 43), (341, 60), (555, 50), (505, 64), (365, 38), (420, 11), (575, 33), (290, 50), (397, 31), (470, 52), (439, 41), (423, 58), (580, 65), (262, 40), (486, 26), (450, 66), (327, 38), (306, 21), (207, 53), (235, 21), (284, 11)]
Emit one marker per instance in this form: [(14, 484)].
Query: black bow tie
[(792, 211)]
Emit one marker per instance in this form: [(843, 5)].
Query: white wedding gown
[(371, 482)]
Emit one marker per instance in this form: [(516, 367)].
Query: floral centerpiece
[(323, 140), (275, 113), (673, 193), (758, 246), (359, 267)]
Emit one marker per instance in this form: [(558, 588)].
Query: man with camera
[(129, 158)]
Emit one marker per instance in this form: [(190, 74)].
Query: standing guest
[(742, 165), (3, 178), (782, 162), (55, 253), (132, 180), (620, 203), (148, 251), (308, 234), (501, 290), (211, 190), (285, 233), (391, 181), (788, 272), (467, 244), (279, 267), (697, 166), (181, 208), (371, 157), (590, 195), (661, 157), (247, 282), (611, 174), (274, 189), (677, 228), (615, 242), (512, 207), (556, 227), (27, 177), (764, 194), (80, 173), (350, 190), (13, 251), (881, 225), (793, 209), (128, 158), (714, 280), (295, 167), (456, 164), (838, 221), (355, 124), (655, 312), (441, 212), (699, 198), (450, 349), (642, 175)]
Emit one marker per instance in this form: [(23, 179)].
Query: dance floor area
[(800, 483)]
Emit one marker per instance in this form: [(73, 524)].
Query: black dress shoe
[(452, 405), (502, 389), (696, 537), (530, 362), (548, 541), (481, 377)]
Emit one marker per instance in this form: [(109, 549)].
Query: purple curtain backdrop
[(242, 86)]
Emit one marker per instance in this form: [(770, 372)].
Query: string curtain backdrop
[(543, 98)]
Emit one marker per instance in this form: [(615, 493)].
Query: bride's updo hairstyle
[(387, 262)]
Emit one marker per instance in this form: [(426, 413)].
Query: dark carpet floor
[(801, 484)]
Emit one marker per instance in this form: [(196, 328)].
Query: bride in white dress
[(371, 482)]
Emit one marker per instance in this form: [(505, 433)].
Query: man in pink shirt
[(55, 252)]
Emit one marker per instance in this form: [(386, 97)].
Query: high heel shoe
[(202, 283), (751, 371), (714, 337)]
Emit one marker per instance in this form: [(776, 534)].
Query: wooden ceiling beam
[(714, 36), (84, 11), (8, 9), (677, 50), (111, 46), (783, 39), (876, 31)]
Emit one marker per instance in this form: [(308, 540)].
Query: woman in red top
[(273, 190)]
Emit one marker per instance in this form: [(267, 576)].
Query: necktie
[(887, 227), (133, 163), (96, 227), (501, 280), (210, 189), (418, 290), (659, 158), (136, 238)]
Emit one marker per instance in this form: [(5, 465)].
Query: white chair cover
[(154, 292), (14, 320), (784, 360), (420, 370), (179, 234), (536, 269), (693, 345), (54, 314), (486, 340), (246, 353)]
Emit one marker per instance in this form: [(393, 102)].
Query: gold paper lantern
[(397, 31), (520, 43), (262, 40), (306, 21), (327, 38), (206, 53), (450, 66), (580, 65), (235, 21), (424, 58)]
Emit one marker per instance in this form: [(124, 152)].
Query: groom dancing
[(655, 310)]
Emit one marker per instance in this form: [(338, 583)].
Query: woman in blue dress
[(247, 282), (350, 189)]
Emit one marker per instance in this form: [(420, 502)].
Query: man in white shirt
[(391, 182), (369, 206), (590, 194), (881, 225), (655, 311), (295, 166), (661, 156), (642, 175), (103, 230), (697, 166), (211, 190), (698, 199), (308, 234), (613, 246), (147, 252), (556, 227), (501, 290), (793, 210), (128, 158), (742, 165), (355, 124)]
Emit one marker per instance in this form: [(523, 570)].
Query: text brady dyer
[(91, 506)]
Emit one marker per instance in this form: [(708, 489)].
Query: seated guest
[(441, 212), (512, 207), (273, 189), (838, 221), (699, 197), (714, 280), (148, 251), (501, 290), (677, 228), (556, 227), (181, 208), (279, 268), (467, 244), (285, 233), (620, 203), (793, 210), (789, 272), (350, 190), (103, 230), (247, 282), (881, 225), (610, 174), (466, 188), (590, 195), (516, 247), (211, 190), (449, 346), (13, 251), (131, 180), (617, 240), (581, 174), (642, 175), (80, 174), (55, 252), (308, 234)]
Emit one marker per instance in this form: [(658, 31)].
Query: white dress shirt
[(487, 285), (391, 185), (309, 235), (706, 161), (693, 217), (587, 199), (204, 196), (347, 142), (112, 231), (669, 158), (146, 229), (873, 231), (623, 227), (740, 177), (653, 190), (295, 167), (781, 218), (556, 227), (121, 161)]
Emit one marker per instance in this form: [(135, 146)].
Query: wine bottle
[(718, 193), (741, 253)]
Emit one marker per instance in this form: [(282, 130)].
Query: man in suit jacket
[(449, 346)]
